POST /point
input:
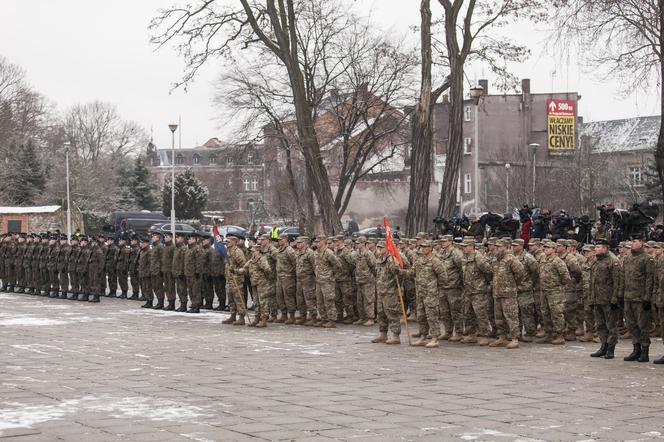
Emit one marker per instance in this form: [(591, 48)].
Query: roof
[(32, 209), (626, 135)]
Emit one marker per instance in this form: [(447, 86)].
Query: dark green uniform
[(193, 274), (63, 276), (134, 251), (144, 275), (111, 260), (82, 268), (72, 268), (178, 274), (122, 266)]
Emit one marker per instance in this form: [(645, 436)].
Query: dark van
[(138, 222)]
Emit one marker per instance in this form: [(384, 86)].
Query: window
[(467, 146), (196, 159), (14, 225), (635, 177), (246, 183), (468, 113), (179, 160), (254, 184), (229, 160), (213, 159), (230, 182), (467, 183), (250, 157)]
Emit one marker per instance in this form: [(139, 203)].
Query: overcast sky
[(75, 51)]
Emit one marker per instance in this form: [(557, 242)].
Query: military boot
[(579, 331), (133, 297), (601, 352), (340, 317), (148, 304), (309, 322), (484, 341), (141, 298), (382, 337), (369, 323), (301, 319), (291, 319), (262, 323), (18, 289), (644, 353), (416, 335), (159, 305), (659, 361), (445, 337), (171, 306), (3, 288), (500, 342), (588, 337), (231, 319), (433, 343), (420, 342), (514, 343), (394, 340), (63, 295), (95, 298), (53, 294), (570, 336), (82, 297), (610, 351), (470, 339), (182, 308), (635, 355), (281, 319), (240, 320), (546, 339), (558, 340), (527, 338), (350, 320), (455, 338), (540, 333), (360, 321), (112, 294), (256, 321), (123, 295), (194, 309), (329, 324)]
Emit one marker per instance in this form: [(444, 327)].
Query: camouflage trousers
[(451, 310), (506, 311), (218, 287), (553, 312), (660, 320), (266, 297), (169, 286), (345, 292), (306, 295), (428, 313), (588, 315), (389, 312), (475, 313), (326, 293), (638, 321), (366, 295), (10, 274), (157, 284), (63, 281), (194, 287), (571, 314), (146, 288), (74, 281), (123, 281), (286, 293), (112, 282), (409, 295), (605, 319), (234, 294), (54, 280), (181, 288), (490, 314), (135, 283), (527, 322)]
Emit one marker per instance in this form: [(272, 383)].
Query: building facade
[(39, 219)]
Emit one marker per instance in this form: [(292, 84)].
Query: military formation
[(494, 293)]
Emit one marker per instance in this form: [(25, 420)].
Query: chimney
[(525, 86), (485, 86)]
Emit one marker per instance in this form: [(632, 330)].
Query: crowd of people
[(496, 292)]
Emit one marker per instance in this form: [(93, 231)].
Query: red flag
[(215, 231), (389, 243)]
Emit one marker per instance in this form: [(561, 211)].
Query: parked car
[(235, 230), (292, 232), (163, 228), (369, 232)]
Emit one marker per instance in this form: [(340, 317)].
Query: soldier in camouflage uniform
[(192, 273), (508, 275), (535, 248), (636, 289), (389, 309), (52, 266), (204, 262), (477, 276), (603, 288), (72, 268), (134, 252), (83, 270), (571, 292), (554, 278), (217, 282), (306, 280), (327, 264), (122, 266), (287, 284), (261, 276), (157, 280), (27, 264), (18, 264), (10, 264), (581, 260), (658, 292), (97, 271), (345, 290), (44, 266), (63, 259), (166, 258), (270, 252), (3, 274), (525, 292), (410, 253), (365, 277), (587, 313), (144, 272), (450, 286), (110, 278), (178, 271), (236, 260)]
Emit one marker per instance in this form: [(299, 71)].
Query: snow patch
[(30, 321), (485, 432)]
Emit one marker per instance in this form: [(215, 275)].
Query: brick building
[(38, 219), (234, 175)]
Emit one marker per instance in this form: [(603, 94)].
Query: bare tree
[(618, 39)]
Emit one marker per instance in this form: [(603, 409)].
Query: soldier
[(287, 284), (410, 253), (63, 259), (157, 282), (327, 264), (166, 258), (536, 249), (144, 273), (72, 269), (270, 252), (508, 276), (216, 274), (262, 281), (52, 267), (345, 292), (386, 273), (192, 273), (623, 251), (27, 264), (102, 247), (638, 273), (365, 277), (18, 264), (554, 278), (491, 257), (3, 274), (10, 264), (122, 265), (450, 286), (43, 265), (306, 281), (203, 264), (587, 312), (110, 278), (236, 260), (97, 271), (134, 252), (525, 296), (83, 270), (604, 285), (571, 291), (178, 271), (477, 275), (658, 292)]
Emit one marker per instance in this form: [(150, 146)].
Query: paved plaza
[(77, 371)]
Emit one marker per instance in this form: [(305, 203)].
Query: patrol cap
[(468, 242), (264, 236), (256, 248), (447, 238), (562, 242), (650, 244), (422, 235), (503, 242), (412, 242), (637, 236), (492, 241), (534, 241), (361, 240), (548, 244), (381, 244), (588, 248), (427, 243), (572, 243), (372, 240), (302, 239), (601, 242), (348, 241), (339, 238), (625, 245), (518, 242), (320, 238)]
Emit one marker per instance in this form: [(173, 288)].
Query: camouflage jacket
[(306, 263), (134, 252), (63, 257), (327, 264), (477, 274), (72, 258), (427, 270), (638, 272), (347, 260), (365, 267), (112, 253), (452, 275), (553, 274), (508, 275), (143, 259), (531, 267), (236, 260), (166, 258), (387, 271), (155, 259), (286, 261), (604, 280), (178, 259)]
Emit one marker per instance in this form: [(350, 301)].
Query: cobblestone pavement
[(76, 371)]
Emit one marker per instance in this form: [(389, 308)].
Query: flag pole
[(403, 310)]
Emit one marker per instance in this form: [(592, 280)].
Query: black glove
[(647, 305), (614, 307)]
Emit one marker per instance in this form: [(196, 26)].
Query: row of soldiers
[(477, 291)]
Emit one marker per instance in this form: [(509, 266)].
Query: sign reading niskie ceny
[(561, 126)]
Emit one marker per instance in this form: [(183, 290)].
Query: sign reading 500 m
[(561, 123)]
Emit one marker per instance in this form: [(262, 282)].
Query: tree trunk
[(659, 151), (454, 148), (421, 160)]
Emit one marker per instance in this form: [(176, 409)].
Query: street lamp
[(173, 127), (67, 146), (534, 146), (475, 93), (507, 187)]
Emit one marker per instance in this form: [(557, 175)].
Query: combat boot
[(141, 298), (635, 355), (53, 294), (394, 340), (182, 308), (281, 319), (231, 319), (301, 320), (470, 339), (558, 340), (319, 322), (240, 320), (330, 324), (360, 321), (626, 335), (207, 306), (271, 318), (160, 304), (579, 331), (455, 338), (420, 342), (340, 317), (291, 319), (123, 295), (433, 343), (95, 298), (445, 337), (540, 333), (171, 306), (3, 288), (256, 321), (546, 339), (644, 353), (112, 294), (514, 343), (601, 352), (382, 337), (63, 295), (310, 321), (194, 309), (262, 323), (610, 351), (369, 323), (570, 336), (350, 320), (82, 297), (588, 337), (527, 338), (148, 304), (659, 361), (483, 341), (133, 297), (416, 335), (18, 290), (500, 342)]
